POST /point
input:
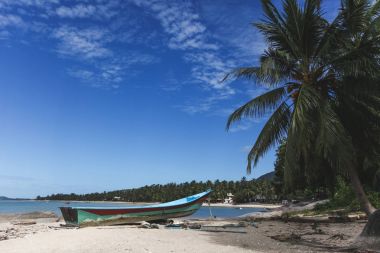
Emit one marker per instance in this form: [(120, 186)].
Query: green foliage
[(279, 169), (244, 191), (374, 198), (344, 198)]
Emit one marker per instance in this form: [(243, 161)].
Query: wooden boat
[(94, 216)]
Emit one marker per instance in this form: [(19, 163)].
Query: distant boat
[(94, 216)]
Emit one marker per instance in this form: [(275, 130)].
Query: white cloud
[(77, 11), (104, 77), (94, 10), (97, 47), (42, 4), (235, 31), (87, 43), (10, 20), (187, 33), (203, 105), (108, 73), (83, 74), (181, 23), (209, 68)]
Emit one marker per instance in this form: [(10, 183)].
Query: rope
[(209, 208)]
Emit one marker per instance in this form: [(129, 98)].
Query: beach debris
[(161, 221), (24, 223), (230, 228), (68, 226), (3, 237), (338, 236), (154, 225), (246, 224), (10, 230), (188, 225), (149, 226), (173, 226), (286, 237), (144, 225), (194, 226)]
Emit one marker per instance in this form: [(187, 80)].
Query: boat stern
[(70, 215)]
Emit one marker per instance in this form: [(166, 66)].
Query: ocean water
[(26, 206)]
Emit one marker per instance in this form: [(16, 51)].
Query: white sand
[(248, 205), (111, 239)]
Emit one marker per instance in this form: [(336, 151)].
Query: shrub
[(344, 198)]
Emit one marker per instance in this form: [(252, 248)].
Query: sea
[(27, 206)]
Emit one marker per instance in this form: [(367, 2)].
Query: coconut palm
[(320, 75)]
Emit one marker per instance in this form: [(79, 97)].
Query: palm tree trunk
[(372, 228), (365, 205)]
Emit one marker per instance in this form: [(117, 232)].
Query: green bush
[(374, 198), (344, 198)]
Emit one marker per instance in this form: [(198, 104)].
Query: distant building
[(116, 198), (229, 199)]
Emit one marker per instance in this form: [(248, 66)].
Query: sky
[(99, 95)]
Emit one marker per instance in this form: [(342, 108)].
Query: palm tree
[(318, 74)]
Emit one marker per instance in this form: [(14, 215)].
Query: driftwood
[(229, 228), (24, 223)]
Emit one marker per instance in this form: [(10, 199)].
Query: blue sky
[(110, 94)]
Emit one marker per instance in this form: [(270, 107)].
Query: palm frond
[(333, 142), (258, 106), (354, 15), (274, 30), (271, 134), (307, 102), (275, 67)]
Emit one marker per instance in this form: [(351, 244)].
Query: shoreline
[(248, 205), (89, 201)]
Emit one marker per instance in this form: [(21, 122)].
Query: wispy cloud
[(77, 11), (235, 31), (10, 20), (111, 71), (90, 46), (210, 69), (187, 33), (37, 3), (87, 43), (204, 104), (96, 10), (109, 74), (95, 36), (181, 23)]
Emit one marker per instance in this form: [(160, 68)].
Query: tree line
[(243, 191)]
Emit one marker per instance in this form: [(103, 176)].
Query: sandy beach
[(24, 236), (249, 205), (45, 234), (50, 238)]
